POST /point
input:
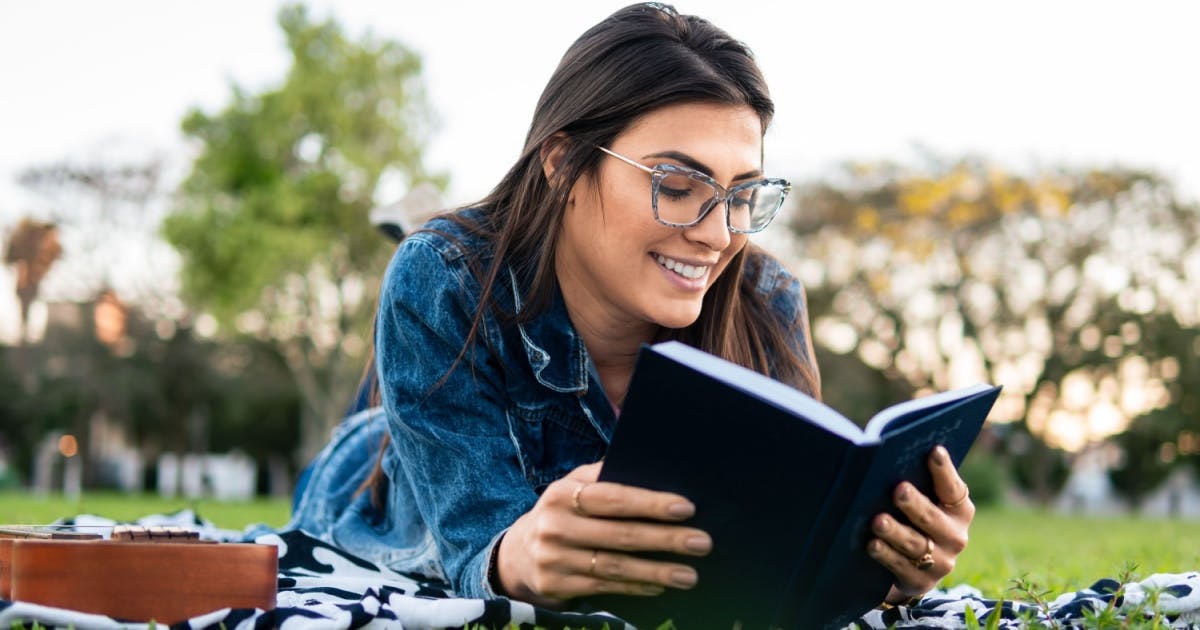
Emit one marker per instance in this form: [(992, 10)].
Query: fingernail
[(903, 494), (873, 547), (683, 509), (651, 589), (940, 456), (882, 525), (684, 579), (698, 544)]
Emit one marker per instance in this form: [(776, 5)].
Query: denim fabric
[(473, 447)]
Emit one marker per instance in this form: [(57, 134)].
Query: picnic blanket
[(322, 587)]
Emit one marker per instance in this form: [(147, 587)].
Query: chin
[(677, 318)]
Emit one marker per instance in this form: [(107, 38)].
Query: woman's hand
[(921, 555), (575, 541)]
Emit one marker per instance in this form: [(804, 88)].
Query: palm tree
[(32, 249)]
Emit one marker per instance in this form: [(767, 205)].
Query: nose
[(712, 231)]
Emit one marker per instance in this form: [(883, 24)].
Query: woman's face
[(616, 265)]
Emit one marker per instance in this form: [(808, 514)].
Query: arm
[(457, 450), (452, 438)]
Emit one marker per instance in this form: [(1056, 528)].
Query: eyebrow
[(695, 164)]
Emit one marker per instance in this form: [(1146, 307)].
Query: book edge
[(763, 388), (880, 421)]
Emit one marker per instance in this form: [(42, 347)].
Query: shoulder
[(443, 274), (445, 252), (767, 277), (778, 299), (451, 236)]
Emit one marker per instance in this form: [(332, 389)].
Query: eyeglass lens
[(682, 198)]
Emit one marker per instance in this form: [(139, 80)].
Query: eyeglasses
[(682, 197)]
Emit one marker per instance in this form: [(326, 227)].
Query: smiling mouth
[(691, 272)]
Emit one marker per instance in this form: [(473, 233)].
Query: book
[(785, 485)]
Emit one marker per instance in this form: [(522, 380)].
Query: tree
[(1167, 437), (271, 223), (1050, 284), (32, 249), (109, 210)]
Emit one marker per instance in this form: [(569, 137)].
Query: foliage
[(986, 476), (170, 390), (857, 390), (1143, 465), (1077, 290), (272, 222)]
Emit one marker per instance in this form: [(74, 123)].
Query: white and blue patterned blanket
[(322, 587)]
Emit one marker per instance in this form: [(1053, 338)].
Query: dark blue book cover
[(784, 485)]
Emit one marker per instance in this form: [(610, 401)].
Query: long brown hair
[(639, 59)]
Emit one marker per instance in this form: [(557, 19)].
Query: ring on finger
[(925, 562), (575, 505), (960, 500), (592, 568)]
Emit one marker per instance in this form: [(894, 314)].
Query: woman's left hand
[(921, 555)]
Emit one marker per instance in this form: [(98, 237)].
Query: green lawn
[(1058, 553), (20, 507), (1063, 553)]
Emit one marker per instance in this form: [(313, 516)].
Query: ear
[(553, 150)]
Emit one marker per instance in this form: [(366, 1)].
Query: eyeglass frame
[(723, 195)]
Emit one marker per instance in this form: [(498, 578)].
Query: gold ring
[(592, 569), (575, 500), (960, 500), (926, 561)]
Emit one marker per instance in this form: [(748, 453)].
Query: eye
[(743, 199), (676, 186)]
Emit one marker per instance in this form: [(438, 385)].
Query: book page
[(764, 388), (880, 421)]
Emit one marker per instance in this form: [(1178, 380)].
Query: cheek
[(624, 222)]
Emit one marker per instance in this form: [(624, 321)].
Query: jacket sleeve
[(446, 408)]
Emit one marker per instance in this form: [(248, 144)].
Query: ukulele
[(137, 574)]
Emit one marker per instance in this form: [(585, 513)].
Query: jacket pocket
[(552, 441)]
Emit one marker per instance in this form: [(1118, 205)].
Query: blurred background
[(1004, 192)]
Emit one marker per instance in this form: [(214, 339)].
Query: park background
[(1001, 192)]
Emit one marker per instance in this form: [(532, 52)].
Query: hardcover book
[(785, 485)]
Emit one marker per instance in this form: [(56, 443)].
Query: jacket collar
[(555, 351)]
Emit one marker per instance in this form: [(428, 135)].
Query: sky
[(1025, 83)]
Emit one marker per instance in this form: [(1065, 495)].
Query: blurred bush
[(987, 477)]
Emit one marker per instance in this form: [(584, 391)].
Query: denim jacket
[(471, 448)]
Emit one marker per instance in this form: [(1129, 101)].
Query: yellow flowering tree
[(1057, 284)]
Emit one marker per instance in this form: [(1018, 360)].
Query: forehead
[(728, 136)]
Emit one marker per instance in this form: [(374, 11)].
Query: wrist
[(493, 570), (504, 576)]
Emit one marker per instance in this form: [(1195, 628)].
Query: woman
[(507, 333)]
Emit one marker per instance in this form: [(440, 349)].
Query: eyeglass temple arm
[(627, 160)]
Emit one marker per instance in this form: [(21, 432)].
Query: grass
[(1056, 552), (24, 508), (1062, 553)]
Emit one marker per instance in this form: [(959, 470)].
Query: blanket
[(322, 587)]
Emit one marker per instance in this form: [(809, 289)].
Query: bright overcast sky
[(1090, 83)]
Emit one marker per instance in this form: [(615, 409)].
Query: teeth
[(687, 271)]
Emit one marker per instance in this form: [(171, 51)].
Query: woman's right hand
[(577, 538)]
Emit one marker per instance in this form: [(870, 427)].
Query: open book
[(785, 485)]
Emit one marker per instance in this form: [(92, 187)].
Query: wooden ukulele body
[(165, 580)]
